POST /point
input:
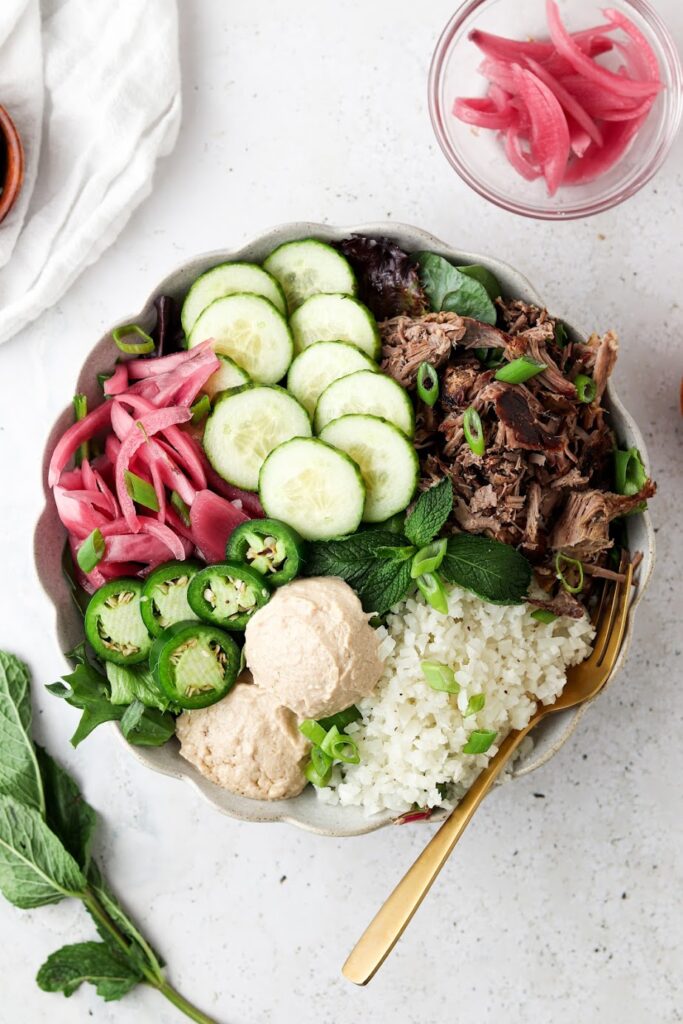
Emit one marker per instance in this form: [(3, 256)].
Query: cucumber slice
[(250, 330), (229, 376), (312, 487), (227, 279), (335, 318), (369, 393), (308, 267), (388, 462), (319, 365), (245, 426)]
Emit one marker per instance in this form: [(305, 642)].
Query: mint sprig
[(46, 829)]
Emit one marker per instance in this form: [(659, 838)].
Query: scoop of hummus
[(247, 743), (311, 646)]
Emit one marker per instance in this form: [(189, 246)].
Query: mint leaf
[(35, 869), (451, 289), (147, 727), (69, 816), (361, 560), (19, 772), (430, 512), (92, 962), (495, 572)]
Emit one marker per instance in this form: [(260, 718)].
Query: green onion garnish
[(433, 591), (474, 704), (490, 357), (313, 731), (440, 677), (427, 384), (474, 431), (91, 551), (201, 409), (340, 747), (429, 558), (341, 719), (561, 561), (321, 761), (479, 741), (629, 472), (520, 370), (543, 615), (80, 412), (314, 776), (132, 348), (181, 508), (141, 491), (586, 388), (561, 335)]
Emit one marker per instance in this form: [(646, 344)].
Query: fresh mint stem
[(152, 974)]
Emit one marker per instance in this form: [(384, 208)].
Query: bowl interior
[(478, 155), (11, 163), (305, 810)]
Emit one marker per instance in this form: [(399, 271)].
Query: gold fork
[(584, 682)]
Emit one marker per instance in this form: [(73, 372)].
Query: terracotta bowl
[(305, 811), (11, 164)]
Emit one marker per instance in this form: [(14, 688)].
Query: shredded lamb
[(543, 481)]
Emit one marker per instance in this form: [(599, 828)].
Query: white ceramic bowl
[(304, 811)]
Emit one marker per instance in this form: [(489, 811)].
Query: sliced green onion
[(433, 591), (340, 747), (395, 554), (141, 491), (475, 704), (520, 370), (479, 741), (91, 551), (181, 508), (313, 731), (474, 431), (490, 357), (543, 615), (341, 719), (314, 776), (321, 761), (201, 409), (440, 677), (429, 558), (630, 475), (586, 388), (562, 561), (561, 334), (132, 348), (80, 412), (427, 384)]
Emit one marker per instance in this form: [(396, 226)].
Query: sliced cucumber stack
[(250, 330), (335, 318), (227, 279), (387, 460), (312, 487), (245, 426), (308, 267), (369, 393), (319, 365), (228, 376)]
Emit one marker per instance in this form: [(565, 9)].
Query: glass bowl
[(477, 155)]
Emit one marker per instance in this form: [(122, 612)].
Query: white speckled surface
[(562, 902)]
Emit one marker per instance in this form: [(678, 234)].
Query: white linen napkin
[(94, 89)]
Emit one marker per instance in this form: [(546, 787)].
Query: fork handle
[(392, 919)]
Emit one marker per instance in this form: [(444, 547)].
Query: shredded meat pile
[(543, 481)]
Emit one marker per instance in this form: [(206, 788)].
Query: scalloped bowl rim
[(305, 811)]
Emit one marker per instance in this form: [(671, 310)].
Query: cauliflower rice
[(411, 736)]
